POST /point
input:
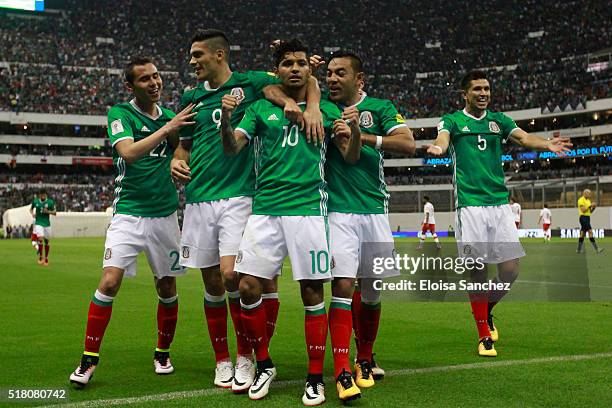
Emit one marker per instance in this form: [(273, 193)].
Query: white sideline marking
[(279, 384)]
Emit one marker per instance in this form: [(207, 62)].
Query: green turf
[(44, 314)]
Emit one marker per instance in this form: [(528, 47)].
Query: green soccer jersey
[(215, 176), (290, 171), (361, 188), (38, 206), (476, 150), (145, 187)]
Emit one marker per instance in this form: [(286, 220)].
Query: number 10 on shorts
[(319, 262)]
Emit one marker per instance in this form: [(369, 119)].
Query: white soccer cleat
[(261, 384), (224, 374), (83, 373), (162, 363), (314, 394), (244, 374)]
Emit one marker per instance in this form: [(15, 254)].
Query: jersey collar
[(465, 112), (363, 96), (206, 84), (135, 106)]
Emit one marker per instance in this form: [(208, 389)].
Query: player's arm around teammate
[(144, 216)]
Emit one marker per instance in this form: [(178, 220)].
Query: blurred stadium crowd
[(67, 62)]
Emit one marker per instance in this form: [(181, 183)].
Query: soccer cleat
[(261, 384), (243, 375), (84, 372), (161, 361), (377, 372), (40, 261), (492, 329), (347, 389), (314, 394), (485, 347), (224, 374), (363, 374), (46, 262)]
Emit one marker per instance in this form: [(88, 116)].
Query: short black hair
[(356, 62), (545, 205), (215, 38), (42, 191), (472, 76), (426, 198), (293, 45), (128, 73)]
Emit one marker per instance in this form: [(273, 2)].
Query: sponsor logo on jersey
[(238, 93), (465, 129), (145, 129), (185, 252), (494, 127), (440, 125), (108, 254), (399, 118), (239, 257), (365, 119), (273, 117), (116, 127)]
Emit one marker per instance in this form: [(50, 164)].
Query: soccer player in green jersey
[(219, 194), (41, 208), (484, 223), (358, 205), (143, 136), (289, 215)]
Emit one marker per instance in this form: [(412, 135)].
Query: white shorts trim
[(157, 237), (269, 239), (212, 229)]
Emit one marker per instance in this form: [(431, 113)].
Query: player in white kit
[(546, 220), (516, 212), (429, 224)]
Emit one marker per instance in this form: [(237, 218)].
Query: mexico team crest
[(365, 119), (494, 127), (185, 252), (239, 257), (238, 93), (108, 254)]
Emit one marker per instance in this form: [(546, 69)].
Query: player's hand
[(351, 116), (180, 170), (593, 206), (559, 145), (341, 129), (433, 150), (229, 103), (293, 113), (183, 118), (316, 61), (313, 122), (274, 45)]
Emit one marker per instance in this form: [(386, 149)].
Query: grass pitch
[(550, 353)]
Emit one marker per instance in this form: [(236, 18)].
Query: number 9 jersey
[(476, 150), (145, 187)]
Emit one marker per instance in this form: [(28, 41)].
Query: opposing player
[(42, 207), (429, 223), (585, 209), (358, 205), (143, 136), (516, 212), (484, 223), (545, 219), (289, 215), (219, 194)]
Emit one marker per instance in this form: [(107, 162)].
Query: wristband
[(378, 144)]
